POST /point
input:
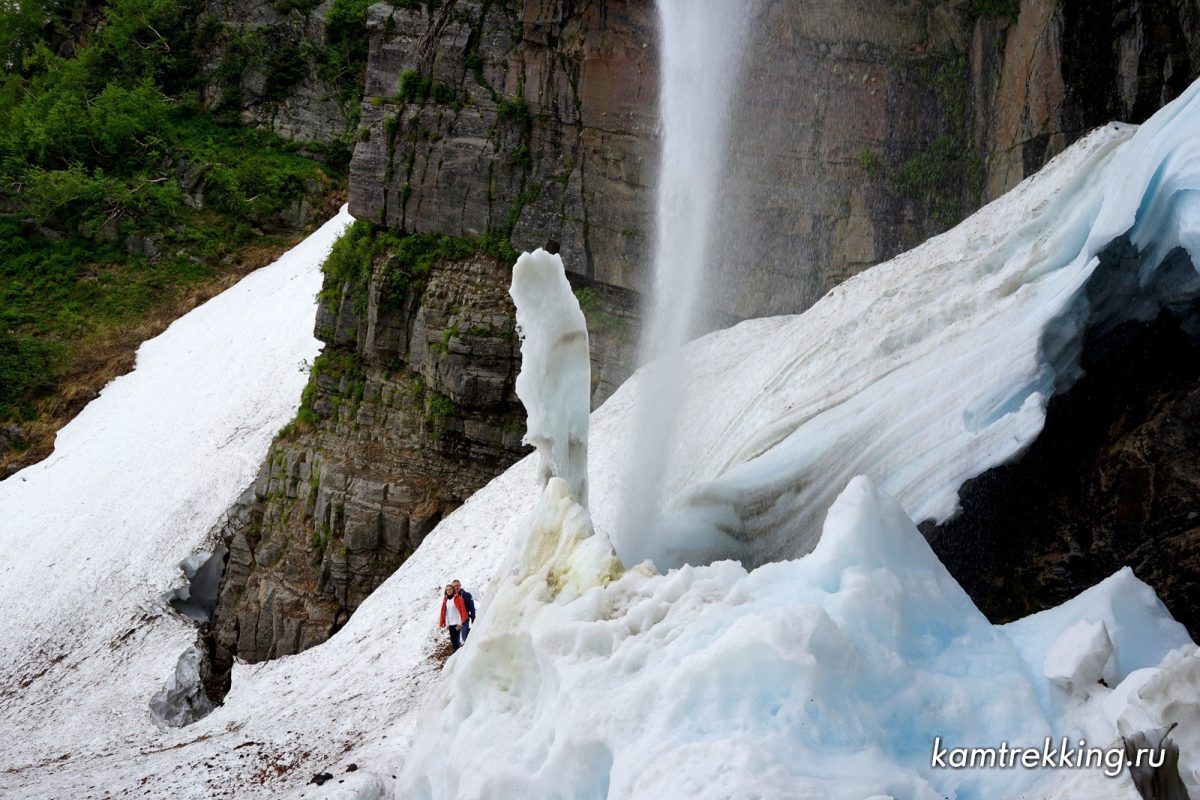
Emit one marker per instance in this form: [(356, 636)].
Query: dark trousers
[(466, 628), (455, 637)]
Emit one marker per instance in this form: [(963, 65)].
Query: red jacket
[(462, 610)]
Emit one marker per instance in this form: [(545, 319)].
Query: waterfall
[(701, 45)]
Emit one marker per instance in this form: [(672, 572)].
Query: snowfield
[(822, 676), (93, 536)]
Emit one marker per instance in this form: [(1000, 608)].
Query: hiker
[(469, 602), (453, 616)]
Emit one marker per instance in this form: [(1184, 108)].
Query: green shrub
[(513, 110), (349, 263), (439, 408), (413, 87), (343, 62), (285, 68), (94, 149), (27, 368)]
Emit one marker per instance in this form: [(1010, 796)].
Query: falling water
[(701, 52)]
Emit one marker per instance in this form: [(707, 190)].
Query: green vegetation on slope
[(410, 257), (401, 263), (120, 193)]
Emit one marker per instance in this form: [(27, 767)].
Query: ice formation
[(1079, 655), (828, 676), (820, 676), (555, 383), (715, 682), (931, 368)]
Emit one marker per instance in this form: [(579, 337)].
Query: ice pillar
[(555, 382)]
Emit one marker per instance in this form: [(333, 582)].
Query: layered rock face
[(278, 66), (410, 409), (533, 119), (856, 134), (414, 409), (1066, 66)]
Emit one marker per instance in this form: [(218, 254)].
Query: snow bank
[(555, 382), (829, 676), (94, 535)]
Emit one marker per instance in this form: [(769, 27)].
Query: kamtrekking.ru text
[(1053, 754)]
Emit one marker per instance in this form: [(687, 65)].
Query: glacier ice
[(931, 368), (828, 676), (182, 700), (1079, 655)]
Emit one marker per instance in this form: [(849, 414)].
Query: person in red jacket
[(454, 614), (469, 601)]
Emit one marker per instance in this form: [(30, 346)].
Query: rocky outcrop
[(410, 409), (533, 119), (275, 64), (1063, 67)]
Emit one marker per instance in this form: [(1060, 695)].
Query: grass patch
[(122, 198), (409, 260), (598, 319)]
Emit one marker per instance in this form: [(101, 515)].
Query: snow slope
[(924, 371), (918, 373), (93, 535)]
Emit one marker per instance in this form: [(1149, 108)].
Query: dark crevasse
[(184, 697), (198, 599), (1114, 477)]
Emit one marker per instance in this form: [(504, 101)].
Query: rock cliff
[(410, 409), (532, 119), (857, 134), (293, 66)]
